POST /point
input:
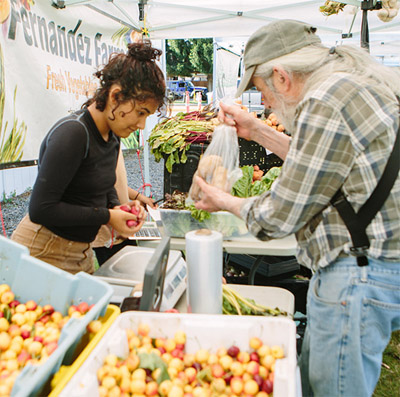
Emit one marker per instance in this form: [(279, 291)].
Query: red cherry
[(38, 339), (14, 303), (180, 346), (233, 351), (228, 377), (178, 353), (267, 386), (259, 380), (162, 349), (254, 357), (197, 366)]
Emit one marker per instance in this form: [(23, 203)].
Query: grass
[(389, 381)]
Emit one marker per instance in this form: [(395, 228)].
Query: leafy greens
[(245, 187)]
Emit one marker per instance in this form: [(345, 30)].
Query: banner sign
[(47, 60), (227, 68)]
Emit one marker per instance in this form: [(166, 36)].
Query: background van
[(177, 89)]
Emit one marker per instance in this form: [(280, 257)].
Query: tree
[(186, 57), (177, 55)]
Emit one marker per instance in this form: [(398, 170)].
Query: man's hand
[(214, 199), (253, 129), (234, 116)]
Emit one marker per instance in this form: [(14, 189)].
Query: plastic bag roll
[(204, 265)]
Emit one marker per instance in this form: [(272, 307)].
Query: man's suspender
[(357, 223)]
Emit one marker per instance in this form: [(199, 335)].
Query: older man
[(341, 108)]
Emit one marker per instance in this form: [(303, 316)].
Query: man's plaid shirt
[(344, 133)]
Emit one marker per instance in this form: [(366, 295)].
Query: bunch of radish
[(133, 210)]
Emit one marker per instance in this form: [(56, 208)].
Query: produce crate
[(251, 153), (177, 223), (182, 174), (82, 351), (30, 278), (202, 332), (270, 266)]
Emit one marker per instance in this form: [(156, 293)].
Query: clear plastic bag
[(219, 165)]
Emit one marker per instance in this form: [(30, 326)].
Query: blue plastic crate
[(30, 278)]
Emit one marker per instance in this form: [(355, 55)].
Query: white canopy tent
[(171, 19), (65, 40), (228, 19)]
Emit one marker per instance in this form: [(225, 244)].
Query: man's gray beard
[(285, 113)]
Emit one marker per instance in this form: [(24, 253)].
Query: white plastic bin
[(30, 278), (202, 331)]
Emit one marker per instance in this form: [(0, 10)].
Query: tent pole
[(365, 30), (214, 84), (148, 128), (367, 5)]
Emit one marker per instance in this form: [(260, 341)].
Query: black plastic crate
[(252, 153), (182, 174), (267, 266)]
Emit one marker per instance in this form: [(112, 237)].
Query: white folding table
[(246, 245)]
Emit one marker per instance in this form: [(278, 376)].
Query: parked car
[(177, 88)]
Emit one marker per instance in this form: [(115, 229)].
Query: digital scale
[(126, 269)]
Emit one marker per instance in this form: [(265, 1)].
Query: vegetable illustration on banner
[(11, 139), (63, 48)]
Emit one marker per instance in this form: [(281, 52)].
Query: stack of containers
[(32, 279)]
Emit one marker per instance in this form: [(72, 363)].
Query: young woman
[(106, 245), (74, 193)]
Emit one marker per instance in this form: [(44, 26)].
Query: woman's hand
[(141, 211), (119, 219), (144, 200)]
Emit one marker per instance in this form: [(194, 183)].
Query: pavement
[(182, 107)]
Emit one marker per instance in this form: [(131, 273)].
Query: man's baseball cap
[(273, 41)]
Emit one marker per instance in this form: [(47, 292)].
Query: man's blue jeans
[(351, 313)]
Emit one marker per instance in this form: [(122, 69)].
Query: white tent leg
[(150, 123), (146, 165)]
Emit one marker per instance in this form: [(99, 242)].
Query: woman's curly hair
[(138, 75)]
